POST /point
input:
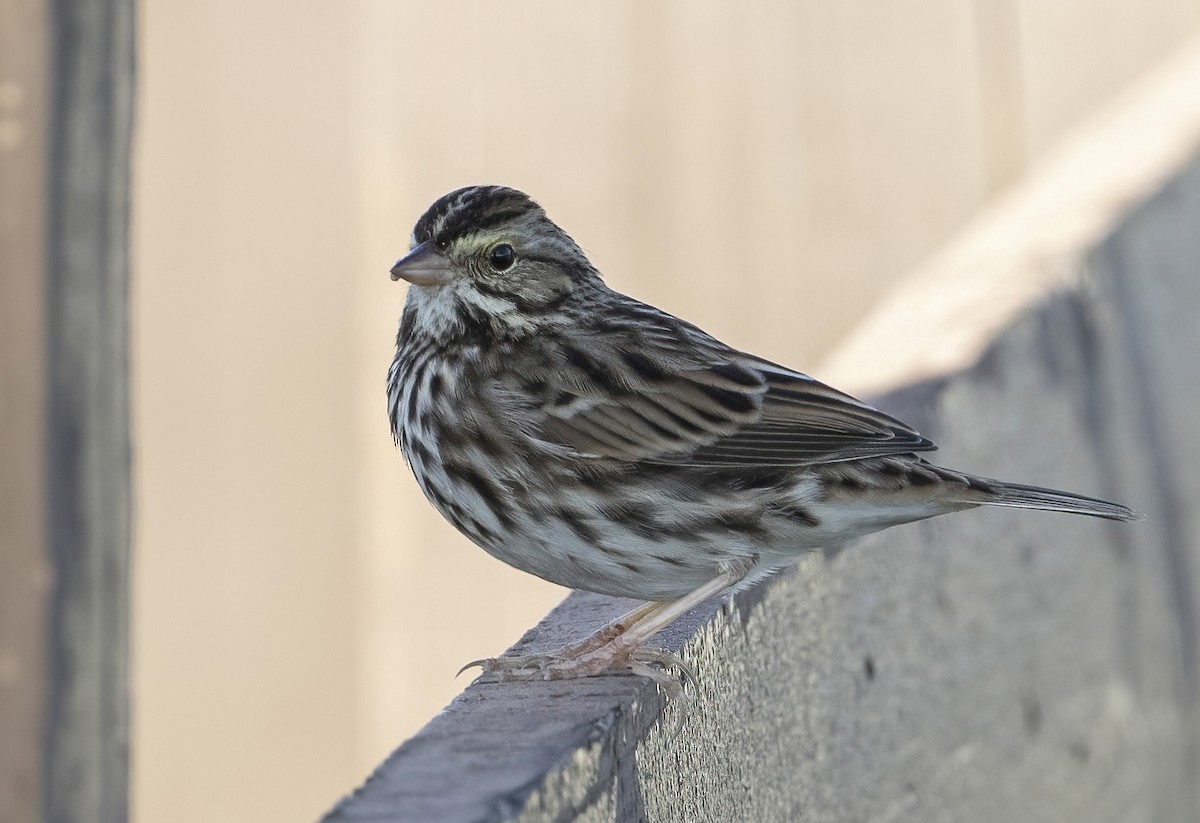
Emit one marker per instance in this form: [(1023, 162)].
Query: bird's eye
[(502, 257), (441, 243)]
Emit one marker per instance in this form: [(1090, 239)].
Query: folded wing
[(666, 392)]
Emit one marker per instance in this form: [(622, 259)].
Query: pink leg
[(615, 647)]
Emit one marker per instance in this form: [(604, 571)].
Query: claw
[(665, 659), (509, 669), (482, 663)]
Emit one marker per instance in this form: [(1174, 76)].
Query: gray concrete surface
[(988, 666)]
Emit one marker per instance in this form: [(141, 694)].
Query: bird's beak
[(424, 267)]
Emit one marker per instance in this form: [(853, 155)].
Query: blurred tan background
[(766, 171)]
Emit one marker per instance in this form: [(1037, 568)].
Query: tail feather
[(1016, 496)]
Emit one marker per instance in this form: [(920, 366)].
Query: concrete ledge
[(993, 665)]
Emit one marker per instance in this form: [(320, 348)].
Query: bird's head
[(489, 255)]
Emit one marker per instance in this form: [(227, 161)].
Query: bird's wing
[(804, 422), (675, 395)]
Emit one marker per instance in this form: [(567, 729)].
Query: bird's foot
[(572, 662)]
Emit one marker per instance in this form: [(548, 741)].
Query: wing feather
[(666, 392)]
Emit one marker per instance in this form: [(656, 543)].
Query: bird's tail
[(1016, 496)]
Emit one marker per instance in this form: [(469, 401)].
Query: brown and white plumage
[(603, 444)]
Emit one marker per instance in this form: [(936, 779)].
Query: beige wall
[(299, 608)]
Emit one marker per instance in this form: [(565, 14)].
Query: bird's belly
[(560, 534), (616, 541), (615, 562)]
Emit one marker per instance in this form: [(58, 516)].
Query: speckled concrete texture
[(994, 665)]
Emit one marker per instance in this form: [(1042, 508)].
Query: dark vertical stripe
[(88, 440), (490, 494)]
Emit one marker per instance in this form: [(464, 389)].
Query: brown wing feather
[(600, 405), (673, 394), (805, 422)]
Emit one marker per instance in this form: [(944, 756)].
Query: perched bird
[(603, 444)]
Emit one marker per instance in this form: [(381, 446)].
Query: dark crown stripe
[(471, 209)]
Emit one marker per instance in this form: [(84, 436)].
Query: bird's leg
[(611, 631), (601, 637), (617, 646)]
